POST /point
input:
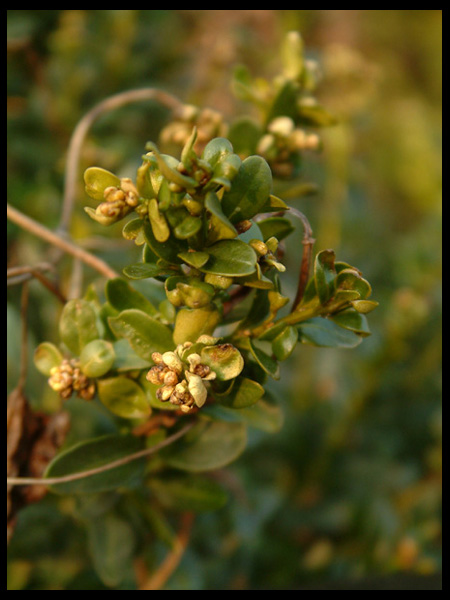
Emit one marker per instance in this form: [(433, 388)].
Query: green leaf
[(264, 415), (354, 321), (191, 292), (312, 114), (95, 453), (278, 227), (97, 358), (77, 326), (127, 359), (284, 343), (351, 279), (168, 171), (168, 250), (274, 204), (149, 178), (208, 446), (158, 222), (325, 275), (145, 334), (244, 134), (266, 362), (323, 332), (188, 227), (218, 153), (231, 258), (122, 296), (191, 323), (188, 492), (245, 392), (97, 180), (144, 271), (364, 306), (220, 227), (292, 55), (47, 356), (284, 104), (123, 397), (194, 259), (249, 191), (111, 542), (224, 359), (133, 230)]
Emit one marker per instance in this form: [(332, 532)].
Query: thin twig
[(42, 232), (158, 579), (305, 265), (112, 465), (82, 128), (23, 338)]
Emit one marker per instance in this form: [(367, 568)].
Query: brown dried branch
[(159, 578), (19, 481), (305, 265), (49, 236)]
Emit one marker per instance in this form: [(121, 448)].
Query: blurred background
[(347, 495)]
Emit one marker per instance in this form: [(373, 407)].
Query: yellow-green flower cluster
[(181, 383), (209, 124), (119, 201), (67, 378), (281, 141)]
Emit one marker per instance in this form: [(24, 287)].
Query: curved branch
[(82, 128), (305, 265), (39, 230), (112, 465)]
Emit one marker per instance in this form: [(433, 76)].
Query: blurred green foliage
[(351, 485)]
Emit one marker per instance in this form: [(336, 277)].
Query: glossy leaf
[(284, 343), (266, 362), (97, 180), (351, 279), (244, 134), (325, 275), (191, 323), (77, 326), (168, 250), (144, 271), (188, 492), (47, 356), (121, 296), (292, 55), (353, 320), (123, 397), (364, 306), (144, 333), (97, 358), (169, 171), (188, 227), (264, 415), (194, 259), (111, 542), (219, 154), (158, 222), (278, 227), (220, 227), (245, 392), (323, 332), (209, 445), (127, 359), (224, 359), (95, 453), (249, 191), (133, 230), (231, 258)]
